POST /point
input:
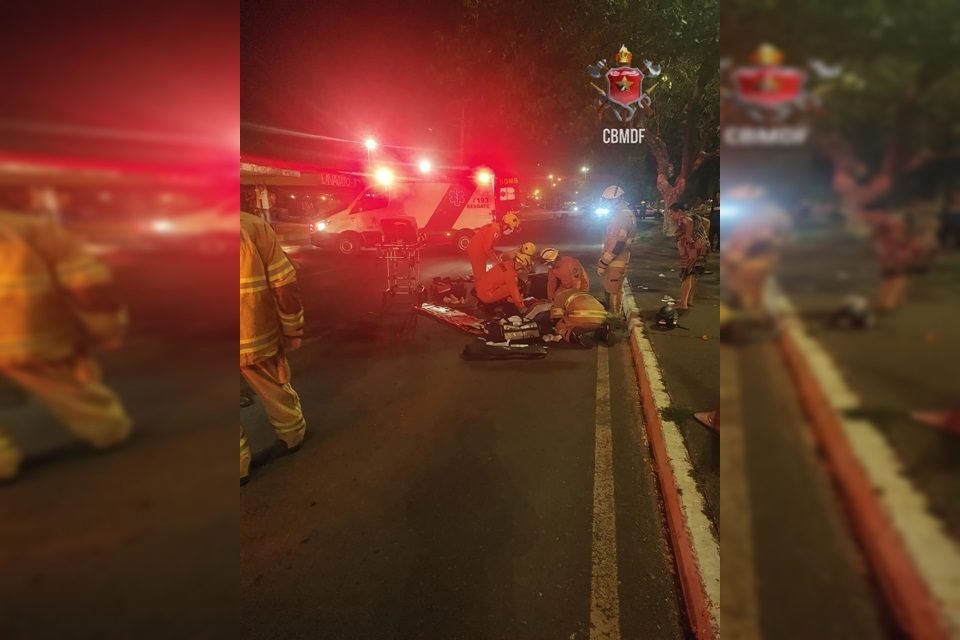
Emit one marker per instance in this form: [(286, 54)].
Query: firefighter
[(563, 272), (616, 247), (480, 250), (57, 305), (501, 282), (271, 324), (576, 313)]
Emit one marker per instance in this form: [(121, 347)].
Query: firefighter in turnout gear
[(577, 313), (616, 247), (57, 304), (501, 282), (271, 324), (480, 250), (563, 272)]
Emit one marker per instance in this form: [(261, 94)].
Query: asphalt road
[(140, 542), (440, 498)]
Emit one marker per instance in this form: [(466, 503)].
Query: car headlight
[(602, 211), (576, 208), (318, 226)]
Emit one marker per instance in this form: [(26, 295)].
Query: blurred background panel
[(119, 128), (840, 265)]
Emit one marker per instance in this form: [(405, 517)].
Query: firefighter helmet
[(549, 255), (522, 261), (612, 192), (528, 248), (510, 222)]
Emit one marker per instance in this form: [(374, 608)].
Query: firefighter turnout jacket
[(481, 249), (270, 306), (616, 243), (56, 300), (499, 283), (567, 273)]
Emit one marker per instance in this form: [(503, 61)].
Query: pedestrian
[(577, 313), (271, 325), (501, 282), (563, 272), (612, 265), (715, 222), (688, 251), (58, 305), (480, 249)]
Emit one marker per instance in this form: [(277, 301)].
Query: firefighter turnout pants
[(73, 392), (270, 380), (576, 310)]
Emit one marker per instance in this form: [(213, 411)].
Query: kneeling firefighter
[(501, 282), (576, 313)]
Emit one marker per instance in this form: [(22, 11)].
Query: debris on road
[(503, 351), (455, 318)]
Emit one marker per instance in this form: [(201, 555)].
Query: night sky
[(345, 69)]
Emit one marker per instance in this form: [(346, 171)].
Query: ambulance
[(447, 211)]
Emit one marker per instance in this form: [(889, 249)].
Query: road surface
[(440, 498)]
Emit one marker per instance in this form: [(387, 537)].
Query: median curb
[(695, 548), (896, 572)]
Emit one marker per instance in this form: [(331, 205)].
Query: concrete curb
[(899, 579), (695, 548)]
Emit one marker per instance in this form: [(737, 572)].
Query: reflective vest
[(270, 306), (56, 299)]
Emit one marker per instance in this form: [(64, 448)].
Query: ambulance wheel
[(348, 243), (462, 239)]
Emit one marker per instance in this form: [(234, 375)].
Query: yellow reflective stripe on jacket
[(291, 320), (254, 288), (587, 313), (38, 283), (284, 275), (82, 271)]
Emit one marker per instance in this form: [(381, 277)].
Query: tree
[(893, 110), (522, 68)]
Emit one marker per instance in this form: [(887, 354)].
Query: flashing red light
[(484, 177), (425, 166), (370, 144)]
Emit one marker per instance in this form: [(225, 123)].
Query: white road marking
[(604, 580), (706, 549), (935, 554), (740, 617)]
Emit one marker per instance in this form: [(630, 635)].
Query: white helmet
[(528, 248), (612, 192), (549, 255)]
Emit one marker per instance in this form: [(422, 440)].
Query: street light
[(384, 176), (425, 166), (371, 145), (550, 177)]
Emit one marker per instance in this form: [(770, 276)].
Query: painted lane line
[(604, 580), (916, 561), (695, 547), (740, 615)]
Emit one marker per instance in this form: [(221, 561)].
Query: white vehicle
[(445, 211)]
